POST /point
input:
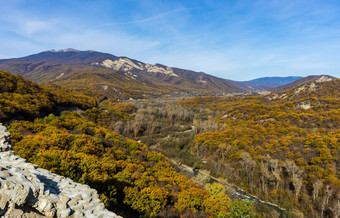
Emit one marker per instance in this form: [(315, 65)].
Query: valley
[(160, 141)]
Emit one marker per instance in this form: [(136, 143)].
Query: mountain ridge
[(104, 74), (52, 66), (266, 83)]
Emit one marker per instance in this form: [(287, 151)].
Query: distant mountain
[(314, 78), (265, 83), (120, 77)]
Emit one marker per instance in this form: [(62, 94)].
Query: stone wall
[(29, 191)]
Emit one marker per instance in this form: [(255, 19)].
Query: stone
[(78, 214), (64, 199), (3, 202), (15, 213), (21, 194), (50, 213), (62, 206), (72, 203), (78, 197), (100, 207), (64, 213)]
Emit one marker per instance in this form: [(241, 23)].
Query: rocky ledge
[(29, 191)]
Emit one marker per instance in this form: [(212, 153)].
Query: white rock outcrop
[(29, 191), (324, 79), (126, 65)]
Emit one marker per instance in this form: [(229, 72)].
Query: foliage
[(125, 173), (22, 99), (282, 147), (241, 209)]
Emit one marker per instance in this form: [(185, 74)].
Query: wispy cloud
[(148, 19)]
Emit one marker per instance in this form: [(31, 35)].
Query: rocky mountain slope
[(28, 191), (114, 76)]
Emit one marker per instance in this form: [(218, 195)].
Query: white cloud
[(31, 27)]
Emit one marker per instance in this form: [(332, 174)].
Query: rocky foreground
[(29, 191)]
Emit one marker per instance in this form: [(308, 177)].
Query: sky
[(238, 40)]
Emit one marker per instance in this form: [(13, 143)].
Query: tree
[(336, 209), (296, 174), (276, 169), (249, 164), (149, 200), (241, 209), (316, 187)]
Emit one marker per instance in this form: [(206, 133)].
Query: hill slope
[(316, 78), (281, 147), (23, 99), (129, 178)]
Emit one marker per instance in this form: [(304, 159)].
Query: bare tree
[(249, 165), (316, 187), (328, 193), (224, 150), (265, 174), (276, 170), (296, 174), (336, 209)]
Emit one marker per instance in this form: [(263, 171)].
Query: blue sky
[(238, 40)]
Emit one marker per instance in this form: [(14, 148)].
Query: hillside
[(283, 147), (316, 78), (130, 179), (23, 99), (118, 77)]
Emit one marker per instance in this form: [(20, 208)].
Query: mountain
[(112, 76), (296, 83), (265, 83)]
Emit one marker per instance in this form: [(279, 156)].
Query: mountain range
[(103, 74), (265, 83)]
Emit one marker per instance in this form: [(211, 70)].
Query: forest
[(282, 147), (131, 179)]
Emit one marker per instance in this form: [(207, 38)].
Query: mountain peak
[(63, 50)]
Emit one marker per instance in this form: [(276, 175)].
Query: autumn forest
[(283, 148)]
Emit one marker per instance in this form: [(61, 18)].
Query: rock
[(100, 207), (78, 197), (22, 193), (64, 199), (78, 214), (3, 202), (64, 213), (72, 203)]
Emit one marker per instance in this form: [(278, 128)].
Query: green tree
[(241, 209)]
